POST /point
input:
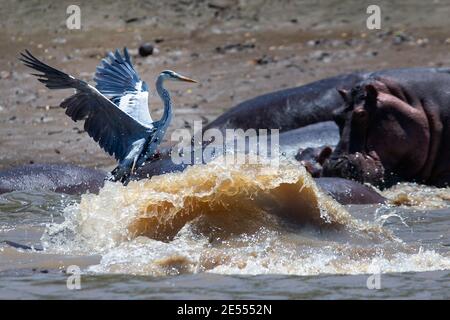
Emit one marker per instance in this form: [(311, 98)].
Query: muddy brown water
[(215, 232)]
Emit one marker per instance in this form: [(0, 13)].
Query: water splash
[(235, 219), (418, 196)]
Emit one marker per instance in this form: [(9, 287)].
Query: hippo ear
[(324, 154), (344, 94), (371, 91)]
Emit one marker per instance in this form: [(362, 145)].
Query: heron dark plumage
[(115, 111)]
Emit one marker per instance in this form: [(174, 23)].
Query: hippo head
[(313, 159), (383, 135)]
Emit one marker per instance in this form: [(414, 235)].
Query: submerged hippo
[(64, 178), (395, 126)]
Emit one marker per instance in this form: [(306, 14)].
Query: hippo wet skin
[(395, 126), (63, 178), (289, 109)]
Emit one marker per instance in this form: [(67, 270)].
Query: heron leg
[(134, 164), (126, 167)]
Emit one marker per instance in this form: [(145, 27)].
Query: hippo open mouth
[(361, 167)]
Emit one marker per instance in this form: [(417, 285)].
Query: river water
[(226, 232)]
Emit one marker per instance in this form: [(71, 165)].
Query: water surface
[(216, 232)]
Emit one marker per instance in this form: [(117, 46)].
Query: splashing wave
[(245, 219)]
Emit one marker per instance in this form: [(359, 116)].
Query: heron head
[(173, 76)]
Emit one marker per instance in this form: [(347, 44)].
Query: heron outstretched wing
[(117, 79), (114, 130)]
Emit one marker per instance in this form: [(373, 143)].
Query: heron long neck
[(165, 97)]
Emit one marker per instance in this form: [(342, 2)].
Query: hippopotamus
[(347, 191), (313, 158), (316, 102), (395, 126), (291, 108)]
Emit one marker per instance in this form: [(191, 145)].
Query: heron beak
[(186, 79)]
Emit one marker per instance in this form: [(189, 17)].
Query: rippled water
[(226, 232)]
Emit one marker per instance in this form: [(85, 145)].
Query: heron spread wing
[(115, 130), (117, 79)]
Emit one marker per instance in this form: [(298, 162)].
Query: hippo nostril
[(360, 113)]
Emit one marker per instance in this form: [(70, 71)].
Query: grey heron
[(115, 111)]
